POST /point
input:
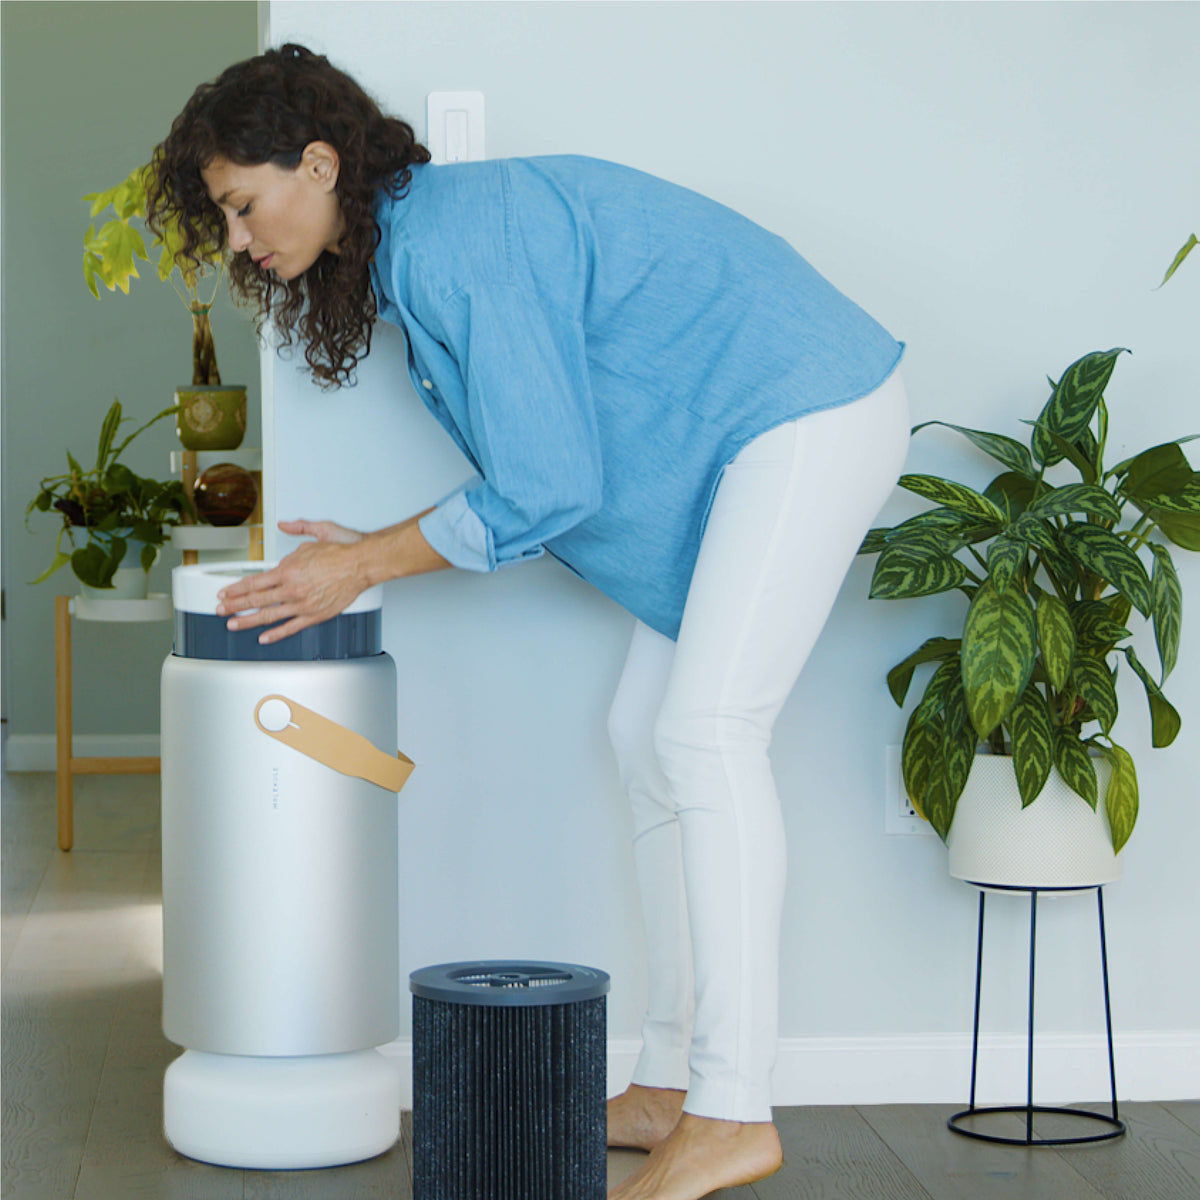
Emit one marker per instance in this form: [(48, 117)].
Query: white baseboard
[(38, 752), (936, 1068)]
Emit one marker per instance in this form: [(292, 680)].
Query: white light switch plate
[(454, 126)]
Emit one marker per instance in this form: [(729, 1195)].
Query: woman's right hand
[(323, 531)]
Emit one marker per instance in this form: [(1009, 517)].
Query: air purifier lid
[(195, 587), (356, 632)]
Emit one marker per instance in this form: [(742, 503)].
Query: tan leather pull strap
[(330, 743)]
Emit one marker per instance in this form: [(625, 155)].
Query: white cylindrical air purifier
[(280, 890)]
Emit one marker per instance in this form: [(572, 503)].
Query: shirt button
[(427, 383)]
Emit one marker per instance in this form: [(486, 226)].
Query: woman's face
[(284, 219)]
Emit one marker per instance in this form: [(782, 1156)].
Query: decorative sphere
[(225, 494)]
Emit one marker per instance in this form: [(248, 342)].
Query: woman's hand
[(312, 584)]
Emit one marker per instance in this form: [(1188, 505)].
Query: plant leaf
[(1077, 498), (956, 528), (1004, 449), (1073, 402), (953, 495), (1011, 493), (1106, 555), (999, 649), (108, 431), (1006, 556), (1071, 452), (1184, 251), (905, 569), (1094, 683), (922, 746), (938, 750), (116, 246), (1121, 797), (875, 541), (924, 732), (1168, 608), (900, 676), (1075, 764), (1036, 531), (1159, 471), (1176, 515), (1056, 636), (1164, 720), (1095, 628), (90, 566), (1033, 744), (119, 480), (948, 778), (60, 561)]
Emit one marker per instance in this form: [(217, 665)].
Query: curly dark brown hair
[(266, 110)]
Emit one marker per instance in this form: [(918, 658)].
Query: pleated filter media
[(509, 1078)]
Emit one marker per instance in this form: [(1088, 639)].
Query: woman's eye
[(244, 210)]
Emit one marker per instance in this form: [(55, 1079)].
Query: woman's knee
[(702, 741), (631, 735)]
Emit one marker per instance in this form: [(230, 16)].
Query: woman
[(661, 394)]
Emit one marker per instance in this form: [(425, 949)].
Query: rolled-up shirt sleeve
[(530, 423)]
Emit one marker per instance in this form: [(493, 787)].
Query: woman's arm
[(321, 578)]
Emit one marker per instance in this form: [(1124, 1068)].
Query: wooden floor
[(84, 1055)]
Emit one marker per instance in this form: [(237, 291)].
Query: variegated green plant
[(1052, 573), (110, 256)]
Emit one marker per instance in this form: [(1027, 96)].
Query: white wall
[(1002, 186)]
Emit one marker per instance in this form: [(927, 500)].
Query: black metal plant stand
[(1029, 1108)]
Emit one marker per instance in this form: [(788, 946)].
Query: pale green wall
[(88, 90)]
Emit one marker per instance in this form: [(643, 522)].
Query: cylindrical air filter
[(509, 1081)]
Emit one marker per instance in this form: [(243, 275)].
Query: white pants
[(691, 725)]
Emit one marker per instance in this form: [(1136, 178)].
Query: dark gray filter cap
[(508, 983)]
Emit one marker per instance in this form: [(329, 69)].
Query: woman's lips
[(265, 261)]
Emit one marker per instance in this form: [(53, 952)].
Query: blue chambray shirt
[(600, 343)]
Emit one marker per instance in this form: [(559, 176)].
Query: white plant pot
[(1057, 842), (129, 583)]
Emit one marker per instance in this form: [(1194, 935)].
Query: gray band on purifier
[(350, 635)]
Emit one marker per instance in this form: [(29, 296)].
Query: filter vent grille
[(516, 979)]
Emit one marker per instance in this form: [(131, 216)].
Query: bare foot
[(641, 1117), (702, 1155)]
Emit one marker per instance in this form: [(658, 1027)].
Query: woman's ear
[(321, 162)]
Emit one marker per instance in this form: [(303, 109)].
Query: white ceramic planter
[(1058, 841), (129, 583)]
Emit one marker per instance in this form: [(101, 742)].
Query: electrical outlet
[(899, 816)]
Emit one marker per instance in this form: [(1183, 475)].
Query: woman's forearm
[(398, 551)]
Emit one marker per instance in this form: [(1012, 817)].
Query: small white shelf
[(156, 607), (249, 459)]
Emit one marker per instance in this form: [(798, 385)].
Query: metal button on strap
[(427, 383)]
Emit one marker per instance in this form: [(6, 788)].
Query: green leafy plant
[(109, 505), (1052, 573), (110, 254)]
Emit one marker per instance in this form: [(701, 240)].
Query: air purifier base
[(281, 1113)]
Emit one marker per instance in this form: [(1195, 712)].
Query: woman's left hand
[(312, 584)]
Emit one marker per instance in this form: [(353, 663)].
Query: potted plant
[(1052, 572), (110, 507), (210, 415)]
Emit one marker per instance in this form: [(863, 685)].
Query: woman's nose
[(239, 235)]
